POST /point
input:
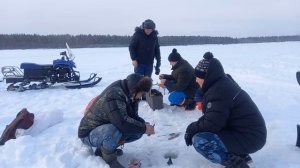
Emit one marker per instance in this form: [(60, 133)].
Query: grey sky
[(235, 18)]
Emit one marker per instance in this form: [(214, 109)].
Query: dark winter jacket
[(230, 113), (183, 79), (113, 106), (144, 48)]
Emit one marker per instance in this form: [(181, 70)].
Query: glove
[(157, 70), (199, 105), (191, 130), (188, 139)]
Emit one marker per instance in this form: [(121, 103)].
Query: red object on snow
[(24, 120)]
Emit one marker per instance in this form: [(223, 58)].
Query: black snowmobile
[(35, 76)]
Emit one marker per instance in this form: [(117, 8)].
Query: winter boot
[(236, 161), (110, 157), (249, 161), (119, 152), (190, 104)]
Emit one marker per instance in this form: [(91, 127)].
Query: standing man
[(111, 119), (232, 126), (143, 48)]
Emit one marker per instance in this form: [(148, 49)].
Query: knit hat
[(148, 24), (174, 56), (202, 67)]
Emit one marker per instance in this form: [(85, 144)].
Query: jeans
[(108, 136), (143, 69), (210, 146), (199, 95)]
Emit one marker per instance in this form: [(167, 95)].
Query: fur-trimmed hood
[(138, 29)]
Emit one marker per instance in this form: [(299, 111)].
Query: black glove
[(191, 130), (157, 70), (188, 139)]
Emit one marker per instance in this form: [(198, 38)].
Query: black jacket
[(230, 113), (144, 48), (113, 106), (183, 79)]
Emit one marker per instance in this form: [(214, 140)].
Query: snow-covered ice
[(265, 70)]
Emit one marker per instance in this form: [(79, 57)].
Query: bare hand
[(149, 129), (162, 83), (134, 63)]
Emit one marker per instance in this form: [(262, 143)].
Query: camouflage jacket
[(113, 106)]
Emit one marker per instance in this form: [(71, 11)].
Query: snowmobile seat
[(35, 66)]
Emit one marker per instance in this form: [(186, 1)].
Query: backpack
[(24, 120)]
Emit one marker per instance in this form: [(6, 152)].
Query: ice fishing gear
[(170, 161), (155, 99), (171, 136), (35, 76), (170, 156)]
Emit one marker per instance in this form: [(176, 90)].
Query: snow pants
[(108, 136)]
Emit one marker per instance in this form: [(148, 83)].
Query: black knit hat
[(202, 67), (174, 56), (148, 24)]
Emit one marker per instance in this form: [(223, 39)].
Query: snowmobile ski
[(298, 77), (83, 84), (92, 76)]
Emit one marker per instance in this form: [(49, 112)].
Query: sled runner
[(32, 76), (83, 84)]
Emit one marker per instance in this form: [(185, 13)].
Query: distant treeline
[(33, 41)]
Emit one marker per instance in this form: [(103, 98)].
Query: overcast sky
[(234, 18)]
